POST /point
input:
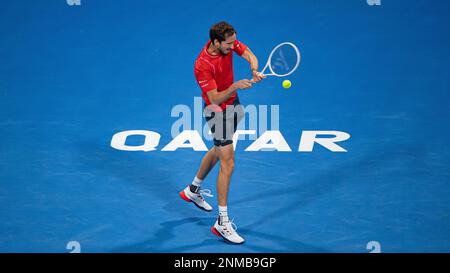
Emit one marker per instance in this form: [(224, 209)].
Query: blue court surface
[(74, 75)]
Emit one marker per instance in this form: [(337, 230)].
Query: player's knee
[(227, 166)]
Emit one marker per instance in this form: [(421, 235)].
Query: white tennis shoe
[(227, 230), (197, 198)]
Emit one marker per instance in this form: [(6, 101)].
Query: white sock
[(197, 182), (195, 186), (223, 214)]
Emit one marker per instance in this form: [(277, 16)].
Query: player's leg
[(208, 163), (226, 157), (192, 192), (223, 226)]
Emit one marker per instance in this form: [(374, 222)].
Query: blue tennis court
[(73, 74)]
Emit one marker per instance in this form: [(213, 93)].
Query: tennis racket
[(283, 60)]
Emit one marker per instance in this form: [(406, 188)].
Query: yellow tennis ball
[(287, 84)]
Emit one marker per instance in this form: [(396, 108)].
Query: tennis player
[(214, 73)]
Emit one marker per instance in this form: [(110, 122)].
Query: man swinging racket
[(214, 73)]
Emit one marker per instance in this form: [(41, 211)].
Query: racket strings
[(283, 60)]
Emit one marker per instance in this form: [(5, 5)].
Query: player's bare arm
[(251, 58), (216, 97)]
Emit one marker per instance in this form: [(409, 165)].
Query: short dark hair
[(221, 31)]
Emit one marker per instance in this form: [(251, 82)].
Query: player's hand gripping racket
[(283, 60)]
